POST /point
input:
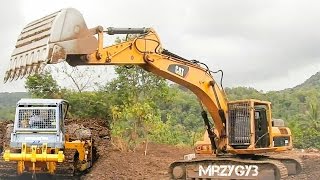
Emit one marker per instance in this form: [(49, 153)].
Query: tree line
[(140, 106), (137, 105)]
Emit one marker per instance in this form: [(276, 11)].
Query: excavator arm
[(146, 52), (64, 36)]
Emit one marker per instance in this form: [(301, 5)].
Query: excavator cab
[(261, 127), (251, 130), (279, 136)]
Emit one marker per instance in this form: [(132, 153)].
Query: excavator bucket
[(48, 41)]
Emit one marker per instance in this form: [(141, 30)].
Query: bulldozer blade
[(50, 40)]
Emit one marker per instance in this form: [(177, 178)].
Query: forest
[(139, 107)]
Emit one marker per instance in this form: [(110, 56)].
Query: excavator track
[(294, 165), (268, 169)]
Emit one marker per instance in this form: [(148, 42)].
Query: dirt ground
[(114, 164), (311, 162), (3, 129)]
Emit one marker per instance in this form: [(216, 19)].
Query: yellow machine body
[(45, 145), (44, 159)]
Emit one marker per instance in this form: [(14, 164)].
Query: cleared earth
[(115, 164)]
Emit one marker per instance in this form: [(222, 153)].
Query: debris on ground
[(115, 164)]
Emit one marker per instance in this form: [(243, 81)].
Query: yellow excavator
[(241, 140)]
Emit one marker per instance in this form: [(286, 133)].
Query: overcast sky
[(268, 45)]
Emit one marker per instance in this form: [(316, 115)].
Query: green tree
[(88, 104), (312, 116), (42, 86), (306, 128), (82, 104), (135, 96), (135, 84)]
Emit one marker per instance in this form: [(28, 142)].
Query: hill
[(312, 82), (8, 102), (298, 106), (10, 99)]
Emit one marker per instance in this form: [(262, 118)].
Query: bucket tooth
[(12, 74), (23, 67), (6, 77)]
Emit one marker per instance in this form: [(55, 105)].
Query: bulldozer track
[(67, 168), (7, 169), (64, 170), (264, 165)]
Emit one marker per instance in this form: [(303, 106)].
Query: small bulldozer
[(39, 143)]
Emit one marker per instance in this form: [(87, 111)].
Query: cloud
[(260, 40), (11, 24)]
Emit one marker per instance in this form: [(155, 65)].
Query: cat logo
[(180, 70)]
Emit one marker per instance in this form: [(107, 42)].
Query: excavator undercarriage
[(236, 167)]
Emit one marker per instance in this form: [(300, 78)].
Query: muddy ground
[(115, 164)]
